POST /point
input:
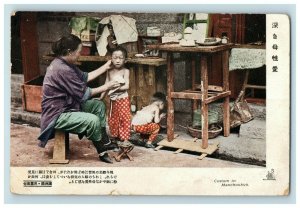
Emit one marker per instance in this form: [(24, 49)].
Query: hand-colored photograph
[(95, 90)]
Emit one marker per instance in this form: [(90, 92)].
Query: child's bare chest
[(115, 73)]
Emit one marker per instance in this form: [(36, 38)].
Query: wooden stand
[(207, 93), (61, 148)]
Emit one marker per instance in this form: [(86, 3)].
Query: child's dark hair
[(120, 48), (158, 96), (65, 45)]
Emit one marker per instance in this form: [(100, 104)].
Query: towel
[(124, 30)]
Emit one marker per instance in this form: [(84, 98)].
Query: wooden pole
[(194, 102), (170, 89), (226, 107), (204, 106)]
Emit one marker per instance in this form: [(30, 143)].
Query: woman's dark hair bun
[(66, 44)]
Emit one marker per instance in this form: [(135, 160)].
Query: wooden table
[(207, 93)]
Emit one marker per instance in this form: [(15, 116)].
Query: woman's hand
[(108, 65), (107, 86), (112, 84), (94, 74)]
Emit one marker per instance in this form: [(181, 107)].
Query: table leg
[(194, 102), (245, 83), (133, 87), (226, 107), (140, 83), (170, 88), (204, 106)]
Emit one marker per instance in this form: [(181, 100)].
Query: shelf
[(210, 88), (197, 95), (197, 49), (195, 21), (144, 61)]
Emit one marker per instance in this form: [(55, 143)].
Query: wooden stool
[(124, 151), (61, 148)]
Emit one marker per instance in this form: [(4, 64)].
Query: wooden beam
[(226, 106), (132, 86), (255, 86), (189, 145), (194, 102), (246, 77), (212, 88), (215, 88), (217, 97), (256, 100), (204, 106), (197, 49), (198, 91), (148, 61), (178, 151), (170, 89), (202, 156), (143, 61), (186, 95)]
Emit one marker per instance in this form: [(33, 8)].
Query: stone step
[(16, 90), (249, 144), (16, 101), (24, 117), (255, 129), (17, 78), (16, 93), (258, 111)]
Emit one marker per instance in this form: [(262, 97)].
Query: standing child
[(146, 121), (119, 116)]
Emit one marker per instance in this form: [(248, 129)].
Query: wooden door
[(29, 46), (232, 26)]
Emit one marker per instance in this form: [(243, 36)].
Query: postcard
[(106, 103)]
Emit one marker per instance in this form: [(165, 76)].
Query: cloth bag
[(240, 112)]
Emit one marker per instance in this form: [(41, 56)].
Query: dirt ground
[(25, 152)]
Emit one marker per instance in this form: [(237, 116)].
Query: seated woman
[(67, 103)]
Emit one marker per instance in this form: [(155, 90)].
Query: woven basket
[(213, 131), (212, 117)]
